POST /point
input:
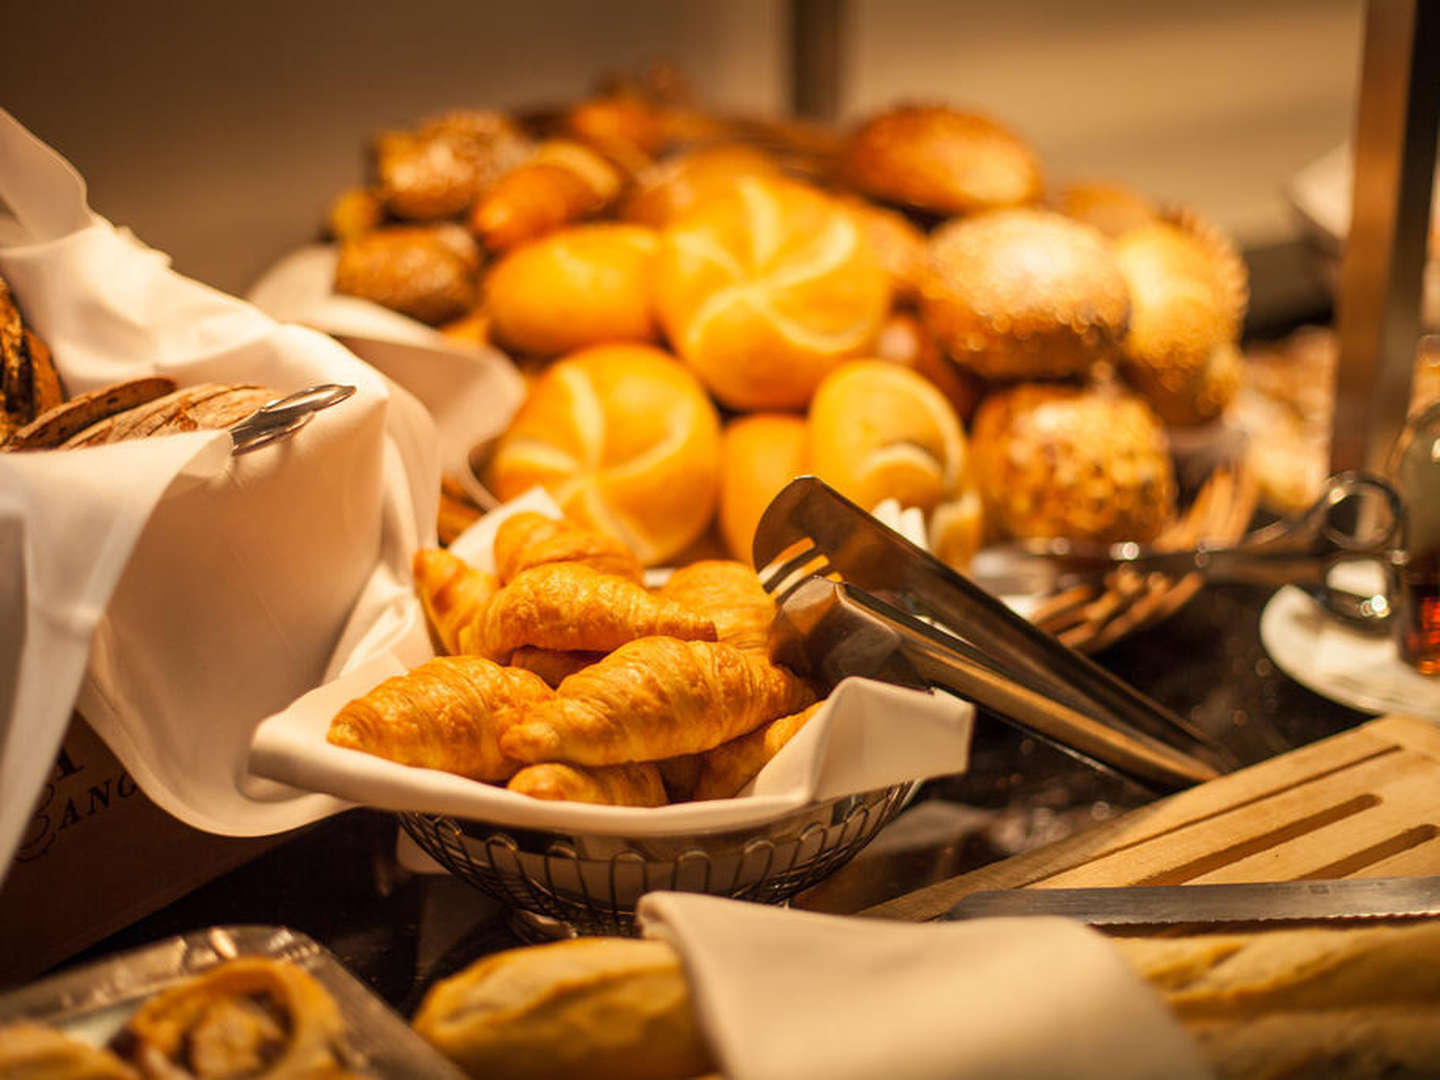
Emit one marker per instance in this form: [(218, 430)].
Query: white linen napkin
[(789, 995)]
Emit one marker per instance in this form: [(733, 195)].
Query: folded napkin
[(787, 994)]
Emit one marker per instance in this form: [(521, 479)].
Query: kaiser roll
[(1022, 294), (759, 454), (581, 286), (626, 441), (878, 431), (1089, 464), (764, 288)]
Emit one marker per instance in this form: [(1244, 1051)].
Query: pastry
[(878, 431), (731, 765), (1054, 460), (528, 539), (730, 596), (904, 340), (446, 714), (764, 288), (759, 454), (207, 406), (427, 272), (579, 286), (250, 1016), (625, 439), (1024, 294), (552, 665), (655, 698), (898, 245), (670, 190), (62, 422), (1187, 293), (453, 593), (591, 1007), (563, 183), (569, 606), (941, 161), (1333, 1002), (1111, 208), (29, 383), (632, 784), (30, 1051)]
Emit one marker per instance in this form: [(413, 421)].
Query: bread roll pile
[(776, 266)]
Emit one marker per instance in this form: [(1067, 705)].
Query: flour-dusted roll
[(1024, 294), (570, 1010), (625, 439), (940, 160), (764, 288), (581, 286)]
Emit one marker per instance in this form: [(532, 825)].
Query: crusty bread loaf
[(626, 441), (941, 161), (581, 286), (1089, 464), (572, 1010), (1024, 294), (764, 288), (759, 454), (878, 431)]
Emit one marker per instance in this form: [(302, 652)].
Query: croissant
[(563, 183), (453, 593), (449, 713), (251, 1016), (42, 1053), (729, 594), (552, 665), (730, 766), (655, 698), (632, 784), (570, 606), (526, 540)]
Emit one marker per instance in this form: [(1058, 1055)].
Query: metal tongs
[(852, 592), (284, 416), (1357, 518)]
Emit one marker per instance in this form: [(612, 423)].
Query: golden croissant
[(568, 606), (449, 713), (552, 665), (528, 539), (730, 766), (632, 784), (655, 698), (37, 1052), (729, 594), (453, 593)]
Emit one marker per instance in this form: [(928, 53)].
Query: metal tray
[(92, 1002)]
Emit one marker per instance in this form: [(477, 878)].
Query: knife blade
[(1159, 905)]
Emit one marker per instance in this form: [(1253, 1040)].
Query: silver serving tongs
[(981, 649), (1357, 518), (284, 416)]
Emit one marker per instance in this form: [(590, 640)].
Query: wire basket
[(561, 886)]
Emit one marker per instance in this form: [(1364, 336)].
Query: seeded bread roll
[(1086, 464), (1024, 294), (427, 272), (764, 288), (940, 160)]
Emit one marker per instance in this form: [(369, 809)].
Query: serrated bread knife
[(1159, 905)]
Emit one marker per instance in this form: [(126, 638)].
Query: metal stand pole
[(817, 60), (1384, 259)]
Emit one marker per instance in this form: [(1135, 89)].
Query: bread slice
[(60, 424)]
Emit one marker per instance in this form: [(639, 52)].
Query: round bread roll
[(878, 431), (898, 244), (582, 286), (941, 161), (764, 288), (1111, 208), (1024, 294), (673, 188), (1186, 292), (1088, 464), (759, 455), (428, 272), (624, 438)]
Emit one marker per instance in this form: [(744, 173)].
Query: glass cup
[(1415, 472)]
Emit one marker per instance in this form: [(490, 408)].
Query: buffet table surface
[(339, 881)]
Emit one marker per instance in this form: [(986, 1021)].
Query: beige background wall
[(219, 131)]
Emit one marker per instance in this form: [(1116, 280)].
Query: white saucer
[(1356, 669)]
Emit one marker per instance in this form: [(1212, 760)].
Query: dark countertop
[(339, 882)]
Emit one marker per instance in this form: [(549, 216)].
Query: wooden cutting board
[(1365, 803)]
